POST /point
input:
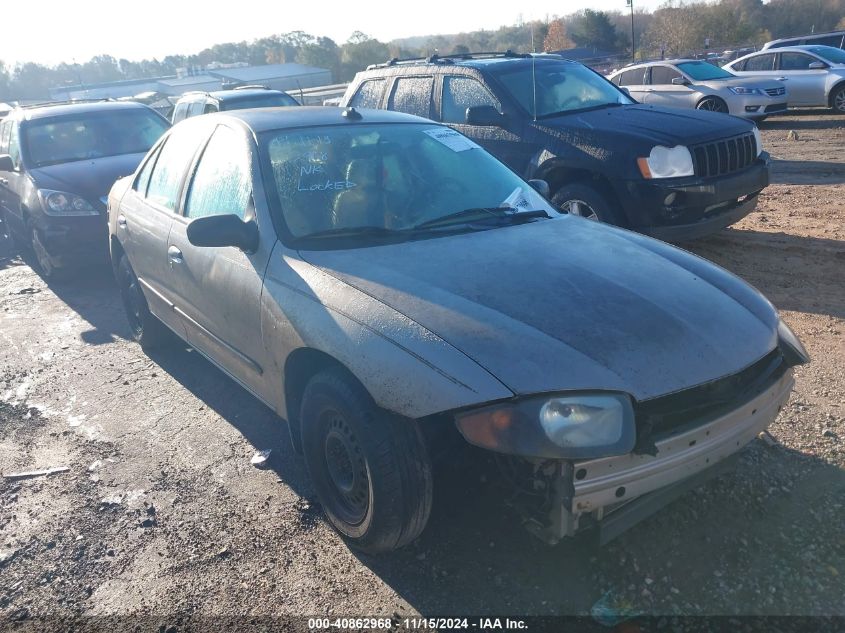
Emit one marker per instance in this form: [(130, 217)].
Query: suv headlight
[(566, 426), (64, 204), (758, 140), (793, 349), (666, 162), (739, 90)]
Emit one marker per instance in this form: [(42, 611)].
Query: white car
[(690, 83), (814, 75)]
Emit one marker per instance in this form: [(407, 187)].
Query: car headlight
[(793, 349), (666, 162), (739, 90), (64, 204), (758, 141), (567, 426)]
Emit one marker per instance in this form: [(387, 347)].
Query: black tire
[(837, 100), (370, 469), (41, 259), (586, 202), (146, 329), (713, 104)]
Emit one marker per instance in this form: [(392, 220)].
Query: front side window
[(15, 145), (412, 95), (368, 95), (143, 179), (759, 63), (385, 177), (795, 61), (91, 135), (222, 183), (550, 89), (4, 136), (173, 161), (196, 108), (661, 75), (460, 93)]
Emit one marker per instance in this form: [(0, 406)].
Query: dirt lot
[(162, 513)]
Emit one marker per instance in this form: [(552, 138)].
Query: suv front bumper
[(74, 239), (615, 493), (698, 206)]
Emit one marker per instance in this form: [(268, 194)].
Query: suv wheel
[(585, 202), (838, 100), (370, 470), (713, 104), (146, 329)]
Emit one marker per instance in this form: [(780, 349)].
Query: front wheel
[(712, 104), (585, 202), (370, 470), (837, 100), (43, 261)]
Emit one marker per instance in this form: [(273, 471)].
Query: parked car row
[(387, 285)]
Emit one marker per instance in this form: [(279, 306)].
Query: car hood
[(650, 125), (90, 179), (568, 304), (747, 82)]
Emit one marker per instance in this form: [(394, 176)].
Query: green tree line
[(675, 28)]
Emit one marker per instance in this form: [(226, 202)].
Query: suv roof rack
[(251, 87), (448, 59)]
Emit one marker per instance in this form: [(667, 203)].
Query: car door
[(4, 178), (662, 92), (806, 85), (146, 214), (218, 289), (762, 65), (634, 82), (461, 92)]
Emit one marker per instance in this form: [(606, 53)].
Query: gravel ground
[(161, 512)]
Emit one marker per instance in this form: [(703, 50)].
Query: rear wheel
[(585, 202), (145, 327), (371, 470), (713, 104), (837, 100)]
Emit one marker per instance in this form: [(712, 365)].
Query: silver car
[(814, 75), (689, 83), (386, 285)]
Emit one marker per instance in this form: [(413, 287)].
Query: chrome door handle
[(174, 255), (121, 221)]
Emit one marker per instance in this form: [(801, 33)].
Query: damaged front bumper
[(615, 493)]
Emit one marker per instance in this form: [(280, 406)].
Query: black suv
[(194, 103), (670, 173), (57, 164)]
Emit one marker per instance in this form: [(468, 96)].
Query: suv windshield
[(270, 100), (833, 55), (703, 71), (89, 135), (559, 88), (386, 179)]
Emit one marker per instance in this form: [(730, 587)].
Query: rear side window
[(412, 95), (4, 136), (143, 179), (369, 94), (661, 75), (222, 183), (460, 93), (833, 40), (209, 108), (180, 112), (196, 108), (760, 63), (631, 77), (795, 61), (171, 165), (15, 146)]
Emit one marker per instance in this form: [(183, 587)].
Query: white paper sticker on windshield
[(517, 200), (451, 139)]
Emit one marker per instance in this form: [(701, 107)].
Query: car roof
[(494, 61), (47, 111), (266, 119), (803, 37), (802, 48), (242, 93)]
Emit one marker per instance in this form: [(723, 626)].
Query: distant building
[(287, 77)]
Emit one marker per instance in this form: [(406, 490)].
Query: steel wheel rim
[(347, 469), (839, 101), (712, 105), (581, 209)]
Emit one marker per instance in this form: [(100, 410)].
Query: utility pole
[(630, 3)]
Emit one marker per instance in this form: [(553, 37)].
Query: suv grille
[(775, 92), (724, 156)]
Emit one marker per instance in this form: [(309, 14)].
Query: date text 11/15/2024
[(479, 624)]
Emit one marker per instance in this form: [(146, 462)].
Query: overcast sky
[(63, 31)]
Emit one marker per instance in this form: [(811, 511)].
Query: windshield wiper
[(611, 104), (475, 213), (352, 231)]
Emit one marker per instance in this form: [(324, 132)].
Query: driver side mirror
[(6, 163), (679, 81), (484, 115), (817, 65), (224, 230)]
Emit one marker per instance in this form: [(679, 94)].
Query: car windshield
[(550, 89), (702, 71), (91, 135), (270, 100), (833, 55), (386, 179)]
